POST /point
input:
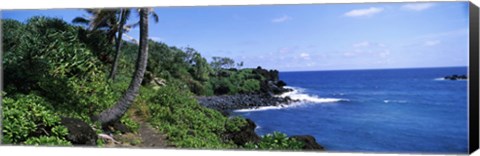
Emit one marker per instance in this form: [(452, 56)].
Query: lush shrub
[(130, 123), (223, 86), (46, 140), (27, 120), (276, 141), (50, 60), (234, 124), (187, 124), (235, 81), (250, 85)]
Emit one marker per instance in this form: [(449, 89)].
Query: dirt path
[(151, 137), (146, 137)]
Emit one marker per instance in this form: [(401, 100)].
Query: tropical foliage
[(27, 120), (54, 69), (276, 141)]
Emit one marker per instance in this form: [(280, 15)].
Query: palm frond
[(81, 20), (155, 16)]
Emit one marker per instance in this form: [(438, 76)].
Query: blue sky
[(312, 37)]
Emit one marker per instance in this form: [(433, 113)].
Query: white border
[(48, 4), (62, 151)]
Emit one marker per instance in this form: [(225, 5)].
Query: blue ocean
[(390, 110)]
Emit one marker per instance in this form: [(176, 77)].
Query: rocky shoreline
[(228, 103), (267, 96)]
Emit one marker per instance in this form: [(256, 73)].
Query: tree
[(114, 23), (199, 67), (222, 62), (101, 19), (124, 14), (118, 110), (240, 65)]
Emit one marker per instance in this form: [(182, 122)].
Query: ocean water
[(392, 110)]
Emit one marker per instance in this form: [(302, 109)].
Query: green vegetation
[(51, 61), (235, 123), (27, 120), (276, 141), (53, 69), (176, 113)]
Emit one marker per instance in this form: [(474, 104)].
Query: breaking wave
[(295, 94)]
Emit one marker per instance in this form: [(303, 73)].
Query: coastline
[(228, 103)]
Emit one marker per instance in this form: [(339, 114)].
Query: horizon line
[(371, 69)]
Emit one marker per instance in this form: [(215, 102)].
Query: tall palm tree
[(124, 14), (118, 110)]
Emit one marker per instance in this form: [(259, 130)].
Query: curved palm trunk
[(118, 45), (116, 112)]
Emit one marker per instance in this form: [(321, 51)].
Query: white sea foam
[(267, 108), (443, 79), (296, 94), (394, 101)]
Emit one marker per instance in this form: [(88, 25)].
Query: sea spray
[(298, 95)]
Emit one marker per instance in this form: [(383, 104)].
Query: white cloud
[(157, 39), (305, 56), (417, 6), (284, 18), (432, 43), (363, 12)]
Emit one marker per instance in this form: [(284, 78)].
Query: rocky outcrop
[(270, 86), (244, 135), (247, 134), (79, 132), (271, 83), (227, 103), (309, 142), (456, 77)]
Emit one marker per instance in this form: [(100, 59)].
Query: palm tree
[(111, 21), (124, 14), (101, 19), (118, 110), (123, 18)]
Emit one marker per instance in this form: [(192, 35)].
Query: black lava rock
[(246, 134), (309, 142), (227, 103), (79, 132), (456, 77)]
